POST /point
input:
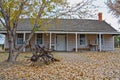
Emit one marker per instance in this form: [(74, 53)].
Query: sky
[(109, 18)]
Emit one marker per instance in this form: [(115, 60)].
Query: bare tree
[(82, 9), (114, 6), (11, 11)]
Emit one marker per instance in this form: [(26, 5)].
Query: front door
[(60, 42)]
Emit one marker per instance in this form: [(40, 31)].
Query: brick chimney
[(100, 16)]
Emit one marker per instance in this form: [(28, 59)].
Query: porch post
[(113, 44), (76, 42), (24, 35), (50, 40), (67, 41), (100, 42)]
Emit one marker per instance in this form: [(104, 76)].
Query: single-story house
[(69, 35)]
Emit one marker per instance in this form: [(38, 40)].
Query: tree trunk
[(24, 45), (13, 52), (11, 57)]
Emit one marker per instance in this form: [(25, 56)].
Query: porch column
[(113, 44), (50, 40), (76, 42), (67, 41), (100, 42), (24, 36)]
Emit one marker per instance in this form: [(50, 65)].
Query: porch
[(64, 41), (68, 41)]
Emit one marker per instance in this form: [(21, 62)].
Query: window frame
[(20, 38), (82, 39), (39, 38), (102, 39)]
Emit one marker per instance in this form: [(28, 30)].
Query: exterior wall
[(53, 41), (108, 43), (32, 41), (46, 40), (26, 37), (71, 42), (6, 42), (91, 39)]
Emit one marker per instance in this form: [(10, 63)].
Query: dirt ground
[(72, 66)]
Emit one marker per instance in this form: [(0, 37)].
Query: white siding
[(91, 39), (6, 42), (108, 43), (46, 40), (71, 42), (32, 42)]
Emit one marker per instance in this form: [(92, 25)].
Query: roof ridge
[(65, 19)]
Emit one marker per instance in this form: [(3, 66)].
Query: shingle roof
[(76, 25)]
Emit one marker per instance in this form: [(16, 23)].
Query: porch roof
[(68, 25)]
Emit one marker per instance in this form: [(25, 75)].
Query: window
[(39, 38), (20, 39), (101, 39), (82, 39)]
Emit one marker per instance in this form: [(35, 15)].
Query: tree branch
[(5, 16), (2, 23), (15, 22), (32, 32), (114, 7)]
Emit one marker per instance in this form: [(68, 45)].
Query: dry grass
[(73, 66)]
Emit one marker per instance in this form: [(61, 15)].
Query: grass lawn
[(72, 66)]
